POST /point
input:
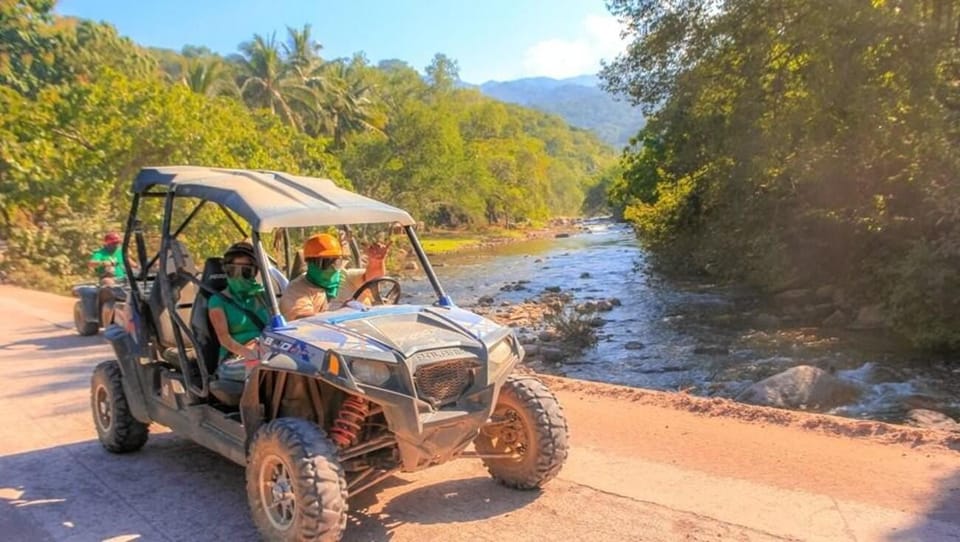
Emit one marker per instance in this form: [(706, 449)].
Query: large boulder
[(931, 419), (870, 317), (802, 386)]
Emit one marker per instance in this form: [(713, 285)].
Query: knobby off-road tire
[(296, 487), (84, 328), (528, 421), (118, 430)]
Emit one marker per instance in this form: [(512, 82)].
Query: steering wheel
[(383, 291)]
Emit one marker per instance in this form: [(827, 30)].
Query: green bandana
[(328, 279), (242, 288)]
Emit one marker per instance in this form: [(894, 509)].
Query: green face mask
[(243, 288), (328, 279)]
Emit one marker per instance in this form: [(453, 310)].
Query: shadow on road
[(451, 502), (45, 342), (38, 383), (941, 521), (170, 490), (174, 489)]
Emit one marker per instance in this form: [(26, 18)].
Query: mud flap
[(126, 349)]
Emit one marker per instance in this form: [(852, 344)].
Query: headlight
[(501, 351), (374, 373)]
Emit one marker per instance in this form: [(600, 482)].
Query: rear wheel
[(295, 485), (528, 427), (84, 327), (118, 430)]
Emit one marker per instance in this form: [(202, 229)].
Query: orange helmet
[(112, 238), (322, 245)]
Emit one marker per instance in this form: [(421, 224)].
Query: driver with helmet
[(326, 279)]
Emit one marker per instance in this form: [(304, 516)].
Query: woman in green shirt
[(239, 328)]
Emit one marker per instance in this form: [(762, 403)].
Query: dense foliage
[(84, 109), (795, 142)]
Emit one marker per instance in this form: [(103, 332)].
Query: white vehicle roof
[(272, 199)]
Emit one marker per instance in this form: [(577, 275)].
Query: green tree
[(443, 73), (794, 143), (267, 81)]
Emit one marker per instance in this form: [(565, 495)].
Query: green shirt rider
[(236, 329), (107, 261)]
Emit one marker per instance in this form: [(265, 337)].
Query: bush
[(575, 328)]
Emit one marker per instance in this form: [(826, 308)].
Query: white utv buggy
[(340, 400)]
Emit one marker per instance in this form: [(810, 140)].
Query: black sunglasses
[(234, 270)]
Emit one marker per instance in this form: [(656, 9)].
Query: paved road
[(636, 471)]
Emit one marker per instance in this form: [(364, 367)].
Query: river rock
[(485, 300), (552, 355), (801, 386), (794, 296), (586, 307), (562, 235), (585, 275), (552, 289), (597, 322), (837, 319), (765, 320), (547, 336), (826, 293), (711, 350), (604, 305), (931, 419), (634, 345), (819, 311), (870, 317)]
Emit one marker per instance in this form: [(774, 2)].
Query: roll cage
[(237, 193)]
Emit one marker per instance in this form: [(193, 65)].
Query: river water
[(692, 336)]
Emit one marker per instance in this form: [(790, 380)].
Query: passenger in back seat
[(239, 313)]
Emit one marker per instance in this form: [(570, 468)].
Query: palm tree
[(269, 82), (208, 76), (302, 52), (348, 107)]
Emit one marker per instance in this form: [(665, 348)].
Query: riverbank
[(436, 241), (715, 341)]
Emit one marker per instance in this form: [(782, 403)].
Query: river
[(692, 336)]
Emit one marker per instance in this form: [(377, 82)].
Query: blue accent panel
[(445, 301), (279, 323)]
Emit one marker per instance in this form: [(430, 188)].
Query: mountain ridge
[(579, 100)]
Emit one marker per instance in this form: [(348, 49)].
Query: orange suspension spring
[(347, 425)]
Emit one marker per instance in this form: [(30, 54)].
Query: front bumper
[(427, 436)]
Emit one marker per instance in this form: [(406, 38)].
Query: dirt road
[(644, 466)]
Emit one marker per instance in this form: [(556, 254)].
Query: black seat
[(214, 279), (179, 267)]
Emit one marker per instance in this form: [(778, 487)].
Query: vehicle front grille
[(443, 382)]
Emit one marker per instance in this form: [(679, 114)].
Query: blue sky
[(491, 39)]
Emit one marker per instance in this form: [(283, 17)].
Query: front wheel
[(118, 430), (529, 429), (296, 487), (84, 328)]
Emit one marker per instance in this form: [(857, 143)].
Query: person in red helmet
[(326, 279), (107, 261)]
